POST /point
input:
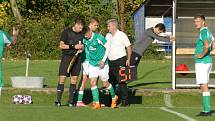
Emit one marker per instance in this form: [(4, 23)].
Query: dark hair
[(78, 20), (85, 30), (161, 27), (200, 16), (94, 19)]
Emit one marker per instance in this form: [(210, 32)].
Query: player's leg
[(135, 59), (112, 77), (120, 88), (103, 74), (75, 70), (93, 75), (122, 85), (202, 78), (84, 78), (62, 76), (81, 91)]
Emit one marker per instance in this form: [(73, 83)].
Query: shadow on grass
[(151, 71), (212, 111), (106, 98), (149, 83)]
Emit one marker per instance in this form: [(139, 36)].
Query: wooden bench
[(188, 51), (165, 47), (190, 74)]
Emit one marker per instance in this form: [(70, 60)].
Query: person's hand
[(127, 62), (79, 46), (8, 45), (64, 46), (198, 55), (80, 50), (101, 64), (172, 39)]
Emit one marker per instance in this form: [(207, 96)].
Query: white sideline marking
[(178, 114), (167, 100)]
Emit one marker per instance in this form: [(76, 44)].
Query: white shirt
[(118, 43)]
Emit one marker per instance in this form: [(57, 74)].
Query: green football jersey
[(204, 35), (85, 53), (95, 49), (5, 37)]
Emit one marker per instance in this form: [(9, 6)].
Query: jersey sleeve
[(126, 40), (102, 39), (154, 36), (7, 38), (205, 35), (63, 36)]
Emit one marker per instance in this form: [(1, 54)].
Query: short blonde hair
[(94, 19)]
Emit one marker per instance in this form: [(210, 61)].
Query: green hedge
[(45, 20)]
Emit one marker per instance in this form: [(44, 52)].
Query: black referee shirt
[(69, 37)]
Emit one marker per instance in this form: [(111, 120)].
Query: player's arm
[(62, 45), (213, 45), (63, 42), (107, 47), (127, 44), (205, 50), (161, 38), (106, 44), (129, 51), (8, 39)]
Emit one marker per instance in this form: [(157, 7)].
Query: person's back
[(146, 40)]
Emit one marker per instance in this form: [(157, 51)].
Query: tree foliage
[(44, 20)]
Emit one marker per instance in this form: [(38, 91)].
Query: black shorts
[(76, 67)]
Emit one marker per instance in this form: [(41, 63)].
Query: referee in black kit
[(69, 44)]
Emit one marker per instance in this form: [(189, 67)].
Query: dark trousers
[(135, 59), (120, 87)]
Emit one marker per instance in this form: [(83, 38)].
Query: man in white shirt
[(119, 44)]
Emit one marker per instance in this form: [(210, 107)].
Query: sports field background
[(154, 82), (151, 73), (43, 109)]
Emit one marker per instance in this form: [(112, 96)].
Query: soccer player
[(93, 25), (5, 39), (203, 61), (98, 49), (148, 37), (69, 44), (117, 57)]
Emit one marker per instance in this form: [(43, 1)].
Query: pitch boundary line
[(178, 114), (168, 104)]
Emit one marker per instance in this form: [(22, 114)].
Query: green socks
[(111, 91), (80, 96), (95, 93), (206, 102)]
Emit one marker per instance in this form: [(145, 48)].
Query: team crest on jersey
[(92, 48)]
